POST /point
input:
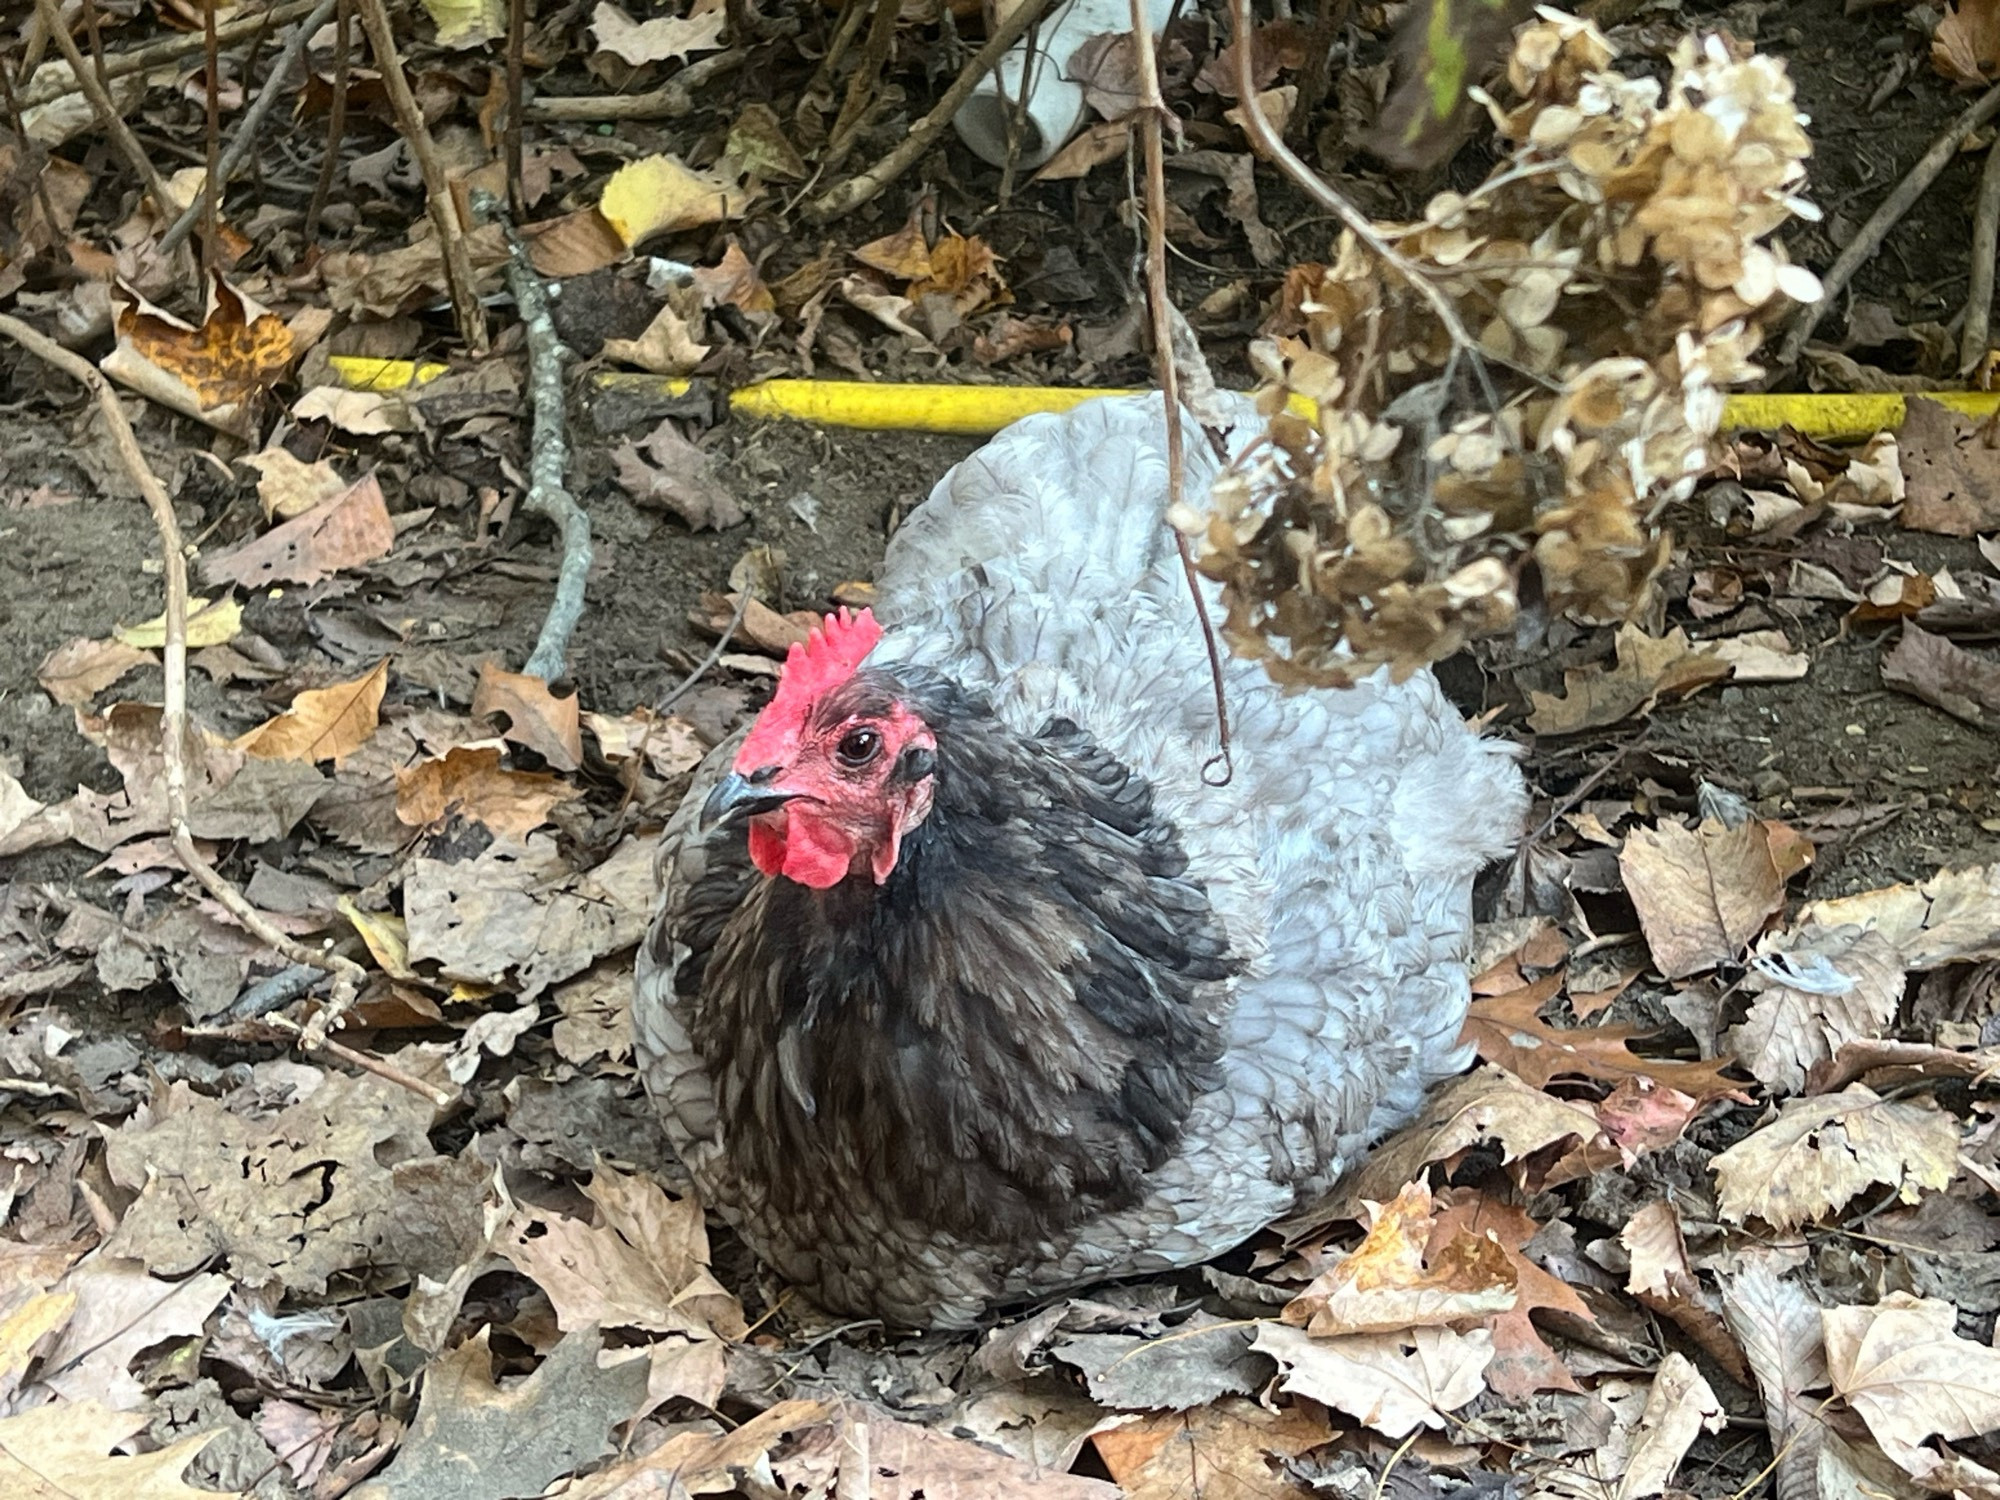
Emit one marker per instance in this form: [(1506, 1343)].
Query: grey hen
[(965, 987)]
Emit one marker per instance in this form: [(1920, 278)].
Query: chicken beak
[(738, 797)]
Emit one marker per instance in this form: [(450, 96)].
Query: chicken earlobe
[(1002, 1039)]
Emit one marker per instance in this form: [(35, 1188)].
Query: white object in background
[(1055, 102)]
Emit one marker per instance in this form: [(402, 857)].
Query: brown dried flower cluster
[(1613, 278)]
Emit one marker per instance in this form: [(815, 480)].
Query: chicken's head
[(836, 770)]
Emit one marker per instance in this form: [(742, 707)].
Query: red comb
[(824, 660)]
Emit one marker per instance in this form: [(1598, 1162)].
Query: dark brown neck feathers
[(1005, 1036)]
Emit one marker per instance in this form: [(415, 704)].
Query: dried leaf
[(667, 347), (664, 471), (1088, 149), (1233, 1450), (1394, 1383), (77, 671), (660, 39), (1400, 1277), (1778, 1327), (1817, 990), (1647, 670), (1679, 1407), (469, 780), (210, 622), (1966, 45), (1508, 1031), (1946, 919), (289, 486), (1951, 467), (328, 723), (346, 531), (1702, 893), (63, 1451), (1903, 1367), (658, 195), (532, 715), (1944, 675), (1821, 1152)]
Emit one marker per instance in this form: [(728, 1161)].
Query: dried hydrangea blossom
[(1616, 275)]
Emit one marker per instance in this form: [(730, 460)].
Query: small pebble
[(1856, 730)]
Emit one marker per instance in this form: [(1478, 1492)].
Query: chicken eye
[(858, 747)]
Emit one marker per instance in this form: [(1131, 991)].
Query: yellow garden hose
[(975, 410)]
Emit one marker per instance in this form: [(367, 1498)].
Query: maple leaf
[(1820, 1152), (63, 1451), (1507, 1031), (1523, 1363), (1903, 1367), (1392, 1382)]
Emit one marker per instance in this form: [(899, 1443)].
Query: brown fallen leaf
[(1951, 468), (1665, 1283), (346, 531), (761, 627), (59, 1451), (1966, 45), (1817, 990), (216, 372), (1523, 1363), (735, 282), (532, 715), (658, 39), (77, 671), (469, 780), (1902, 1365), (1777, 1326), (289, 486), (1946, 919), (664, 471), (1680, 1406), (1507, 1031), (1647, 669), (1944, 675), (699, 1462), (1820, 1153), (1392, 1382), (1234, 1448), (328, 723), (1704, 893), (1403, 1276)]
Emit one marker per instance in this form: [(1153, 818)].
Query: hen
[(965, 987)]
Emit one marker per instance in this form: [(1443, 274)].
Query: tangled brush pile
[(1608, 281)]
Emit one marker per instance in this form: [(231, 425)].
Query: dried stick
[(38, 90), (859, 188), (517, 89), (1151, 113), (347, 975), (437, 189), (252, 123), (673, 100), (863, 95), (336, 120), (548, 451), (1271, 146), (1973, 338), (106, 111), (37, 165), (1868, 239)]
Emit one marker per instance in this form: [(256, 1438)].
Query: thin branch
[(864, 94), (714, 655), (1152, 111), (673, 100), (336, 119), (863, 186), (252, 123), (1868, 239), (208, 202), (1975, 337), (1272, 147), (437, 188), (347, 975), (548, 450), (108, 117), (46, 89), (517, 90)]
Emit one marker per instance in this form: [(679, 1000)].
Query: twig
[(336, 120), (38, 91), (1868, 238), (714, 655), (347, 975), (282, 988), (548, 450), (36, 165), (252, 123), (863, 96), (672, 100), (1973, 338), (1272, 147), (108, 117), (517, 90), (859, 188), (1152, 109), (208, 202), (381, 1067), (437, 189)]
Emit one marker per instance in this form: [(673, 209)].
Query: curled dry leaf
[(210, 622), (664, 471), (1944, 675), (77, 671), (1946, 919), (1822, 1152), (658, 195), (1233, 1448), (469, 780), (1816, 991), (214, 373), (66, 1449), (289, 486), (1647, 670), (660, 39), (1679, 1407), (1950, 472), (1778, 1328)]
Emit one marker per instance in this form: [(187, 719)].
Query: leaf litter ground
[(1662, 1238)]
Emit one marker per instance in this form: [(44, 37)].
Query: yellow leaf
[(658, 195), (386, 936), (467, 23), (322, 723), (209, 623)]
